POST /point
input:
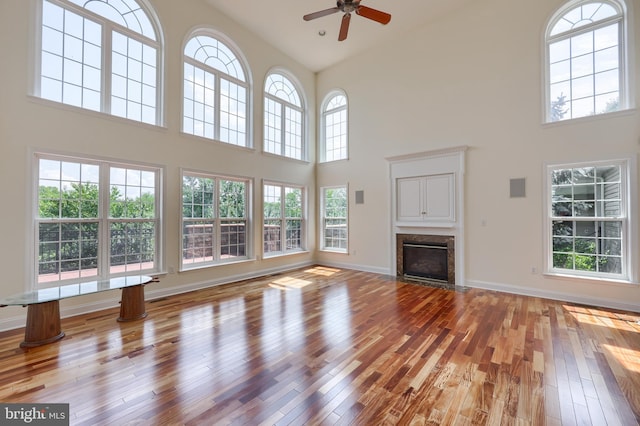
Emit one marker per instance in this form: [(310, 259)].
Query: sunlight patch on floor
[(628, 358), (620, 321), (288, 283), (322, 270)]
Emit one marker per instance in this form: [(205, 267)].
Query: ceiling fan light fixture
[(347, 7)]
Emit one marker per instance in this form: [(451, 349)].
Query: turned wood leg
[(132, 303), (43, 324)]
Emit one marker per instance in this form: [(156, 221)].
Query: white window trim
[(303, 109), (626, 65), (321, 228), (283, 232), (248, 217), (248, 84), (35, 65), (630, 222), (322, 155), (32, 262)]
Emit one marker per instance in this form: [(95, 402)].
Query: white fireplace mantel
[(427, 198)]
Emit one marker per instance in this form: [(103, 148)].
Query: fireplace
[(426, 258)]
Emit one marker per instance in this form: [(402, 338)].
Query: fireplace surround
[(426, 258)]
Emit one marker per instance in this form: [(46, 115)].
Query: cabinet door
[(409, 199), (439, 191)]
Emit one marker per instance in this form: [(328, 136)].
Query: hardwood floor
[(327, 346)]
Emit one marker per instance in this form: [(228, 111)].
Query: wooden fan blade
[(320, 13), (373, 14), (344, 27)]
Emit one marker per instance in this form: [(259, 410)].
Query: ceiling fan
[(348, 6)]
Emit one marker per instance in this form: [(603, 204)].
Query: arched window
[(586, 60), (216, 91), (101, 55), (334, 127), (283, 117)]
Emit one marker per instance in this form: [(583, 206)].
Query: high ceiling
[(280, 23)]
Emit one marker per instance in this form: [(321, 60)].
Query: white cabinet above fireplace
[(426, 200)]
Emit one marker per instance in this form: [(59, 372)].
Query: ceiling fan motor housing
[(348, 6)]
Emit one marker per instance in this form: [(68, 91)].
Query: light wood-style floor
[(327, 346)]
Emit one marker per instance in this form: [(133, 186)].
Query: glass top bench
[(43, 305)]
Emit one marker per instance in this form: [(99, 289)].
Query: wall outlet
[(534, 270)]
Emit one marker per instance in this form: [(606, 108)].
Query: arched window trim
[(110, 26), (247, 83), (626, 49), (560, 13), (302, 108), (323, 111)]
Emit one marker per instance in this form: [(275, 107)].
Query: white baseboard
[(555, 295), (363, 268)]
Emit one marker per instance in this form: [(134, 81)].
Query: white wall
[(473, 78), (28, 124)]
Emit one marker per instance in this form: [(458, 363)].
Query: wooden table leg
[(132, 303), (43, 324)]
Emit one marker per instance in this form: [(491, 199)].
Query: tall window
[(283, 223), (214, 219), (95, 219), (101, 55), (215, 92), (588, 219), (283, 118), (586, 60), (334, 219), (334, 128)]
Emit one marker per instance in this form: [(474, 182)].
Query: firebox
[(429, 258), (425, 261)]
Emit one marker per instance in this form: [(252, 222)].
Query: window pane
[(607, 59), (607, 82), (560, 71), (232, 239), (612, 229), (271, 235), (132, 246), (67, 251), (232, 199), (271, 205), (198, 241), (582, 44), (272, 126), (562, 228)]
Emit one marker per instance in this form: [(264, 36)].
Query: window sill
[(216, 142), (282, 254), (215, 264), (98, 114), (589, 118), (328, 162), (282, 157), (336, 251), (596, 280)]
